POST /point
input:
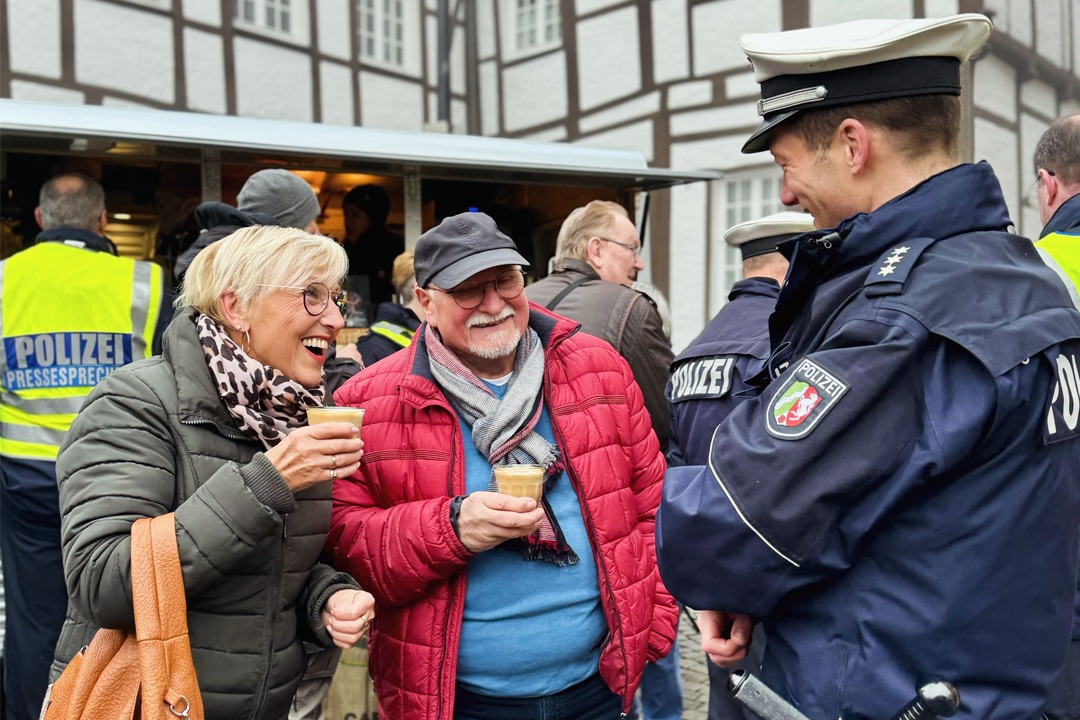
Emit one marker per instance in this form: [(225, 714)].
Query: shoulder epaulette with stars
[(888, 275)]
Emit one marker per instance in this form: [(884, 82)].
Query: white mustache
[(485, 319)]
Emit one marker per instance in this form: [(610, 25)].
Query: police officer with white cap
[(895, 505), (712, 375)]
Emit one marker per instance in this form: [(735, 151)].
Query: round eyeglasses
[(636, 249), (316, 297), (469, 295)]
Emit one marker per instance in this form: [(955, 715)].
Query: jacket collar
[(765, 287), (419, 387), (197, 397), (1065, 219), (576, 265), (397, 314), (77, 237)]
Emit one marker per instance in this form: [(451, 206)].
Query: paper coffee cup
[(520, 480), (318, 415)]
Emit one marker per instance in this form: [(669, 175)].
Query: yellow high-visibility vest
[(68, 318), (393, 332), (1061, 251)]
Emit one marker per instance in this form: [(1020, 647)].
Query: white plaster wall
[(995, 87), (387, 102), (486, 31), (534, 92), (142, 63), (1030, 223), (688, 94), (332, 27), (23, 90), (272, 81), (637, 137), (831, 12), (688, 268), (1040, 97), (587, 6), (459, 117), (609, 57), (553, 134), (941, 8), (336, 96), (1075, 40), (671, 43), (1069, 107), (489, 98), (644, 105), (1031, 129), (742, 85), (718, 25), (719, 153), (431, 30), (124, 104), (204, 71), (457, 62), (33, 30), (207, 12), (1051, 30), (999, 147), (729, 117)]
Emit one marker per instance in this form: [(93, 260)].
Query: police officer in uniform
[(1057, 187), (896, 504), (711, 376), (71, 313)]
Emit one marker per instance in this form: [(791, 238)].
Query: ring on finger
[(333, 473), (333, 461)]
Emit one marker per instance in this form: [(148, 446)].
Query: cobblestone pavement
[(695, 676)]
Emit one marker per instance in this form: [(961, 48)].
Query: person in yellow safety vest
[(1057, 187), (71, 312), (395, 323)]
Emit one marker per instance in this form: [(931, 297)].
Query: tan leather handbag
[(144, 674)]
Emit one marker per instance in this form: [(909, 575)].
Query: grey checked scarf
[(503, 430)]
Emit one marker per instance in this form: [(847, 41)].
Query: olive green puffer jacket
[(155, 437)]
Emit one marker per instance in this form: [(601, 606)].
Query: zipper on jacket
[(277, 579), (586, 514), (449, 605), (225, 431)]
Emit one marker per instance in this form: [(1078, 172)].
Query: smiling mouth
[(315, 346)]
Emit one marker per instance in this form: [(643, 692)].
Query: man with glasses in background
[(490, 605)]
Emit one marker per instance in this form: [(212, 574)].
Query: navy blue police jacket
[(710, 377), (898, 503)]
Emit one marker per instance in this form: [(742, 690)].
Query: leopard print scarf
[(266, 403)]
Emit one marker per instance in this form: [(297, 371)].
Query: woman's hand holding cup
[(317, 453)]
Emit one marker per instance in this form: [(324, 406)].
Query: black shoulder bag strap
[(566, 291)]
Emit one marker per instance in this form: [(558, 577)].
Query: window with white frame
[(743, 196), (273, 15), (536, 24), (382, 31)]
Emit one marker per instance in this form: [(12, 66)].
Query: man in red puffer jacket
[(494, 606)]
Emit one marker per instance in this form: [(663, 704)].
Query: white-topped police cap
[(763, 235), (858, 61)]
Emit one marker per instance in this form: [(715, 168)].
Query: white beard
[(499, 344)]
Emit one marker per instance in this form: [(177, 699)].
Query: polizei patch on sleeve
[(809, 393), (1063, 415)]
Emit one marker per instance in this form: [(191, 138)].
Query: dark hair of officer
[(71, 200), (1058, 150), (918, 126)]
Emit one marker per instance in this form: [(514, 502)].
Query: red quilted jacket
[(390, 526)]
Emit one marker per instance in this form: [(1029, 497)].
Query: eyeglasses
[(636, 249), (469, 295), (316, 296)]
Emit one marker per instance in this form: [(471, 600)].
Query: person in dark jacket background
[(215, 430), (395, 322), (712, 376), (370, 245), (597, 256), (1057, 187), (908, 478)]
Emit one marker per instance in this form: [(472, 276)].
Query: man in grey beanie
[(269, 197)]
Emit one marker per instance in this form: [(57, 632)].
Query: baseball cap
[(461, 246), (763, 235), (856, 62), (280, 194)]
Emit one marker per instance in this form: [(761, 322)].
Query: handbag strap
[(157, 586), (566, 291)]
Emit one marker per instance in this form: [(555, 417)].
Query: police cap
[(757, 237), (858, 61)]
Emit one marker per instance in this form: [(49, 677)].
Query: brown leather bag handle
[(157, 593)]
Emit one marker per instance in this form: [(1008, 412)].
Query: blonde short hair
[(256, 256), (403, 276), (593, 220)]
